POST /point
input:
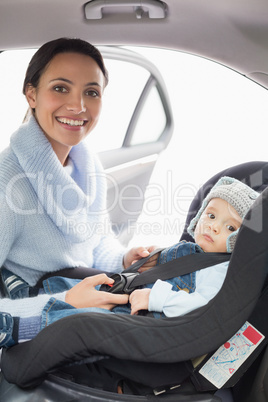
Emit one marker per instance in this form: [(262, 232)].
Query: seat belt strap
[(181, 266), (134, 267)]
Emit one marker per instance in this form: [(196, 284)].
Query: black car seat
[(132, 346)]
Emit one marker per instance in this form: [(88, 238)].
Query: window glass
[(220, 120)]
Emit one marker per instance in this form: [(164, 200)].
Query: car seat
[(157, 357)]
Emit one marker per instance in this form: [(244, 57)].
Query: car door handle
[(155, 8)]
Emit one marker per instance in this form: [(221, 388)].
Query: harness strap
[(134, 267), (130, 279), (181, 266)]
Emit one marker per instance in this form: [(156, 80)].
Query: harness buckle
[(122, 283)]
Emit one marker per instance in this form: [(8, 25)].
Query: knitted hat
[(237, 194)]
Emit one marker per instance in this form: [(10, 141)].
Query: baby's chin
[(211, 248)]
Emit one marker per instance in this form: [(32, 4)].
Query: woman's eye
[(231, 228), (211, 216), (92, 93), (60, 89)]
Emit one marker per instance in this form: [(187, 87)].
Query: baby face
[(215, 225)]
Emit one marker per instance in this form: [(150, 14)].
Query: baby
[(214, 229)]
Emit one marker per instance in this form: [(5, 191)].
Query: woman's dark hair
[(45, 54)]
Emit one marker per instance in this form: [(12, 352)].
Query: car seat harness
[(131, 279)]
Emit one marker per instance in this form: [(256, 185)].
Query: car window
[(220, 120)]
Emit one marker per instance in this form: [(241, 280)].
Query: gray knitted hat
[(236, 193)]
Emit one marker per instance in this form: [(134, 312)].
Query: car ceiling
[(231, 32)]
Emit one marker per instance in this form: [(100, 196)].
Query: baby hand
[(139, 300)]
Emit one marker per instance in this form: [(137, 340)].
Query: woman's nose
[(76, 105)]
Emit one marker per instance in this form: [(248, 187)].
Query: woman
[(52, 188)]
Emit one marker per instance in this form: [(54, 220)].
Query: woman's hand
[(136, 253), (139, 300), (84, 294)]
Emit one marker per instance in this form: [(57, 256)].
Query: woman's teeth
[(71, 122)]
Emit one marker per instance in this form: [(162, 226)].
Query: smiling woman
[(44, 134), (64, 86), (64, 92), (67, 101)]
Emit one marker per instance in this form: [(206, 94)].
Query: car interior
[(133, 37)]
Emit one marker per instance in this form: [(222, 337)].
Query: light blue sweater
[(48, 219)]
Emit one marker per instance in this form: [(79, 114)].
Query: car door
[(136, 125)]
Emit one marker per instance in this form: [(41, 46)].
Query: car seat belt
[(181, 266), (131, 279)]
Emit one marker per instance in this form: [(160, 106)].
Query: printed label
[(230, 356)]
